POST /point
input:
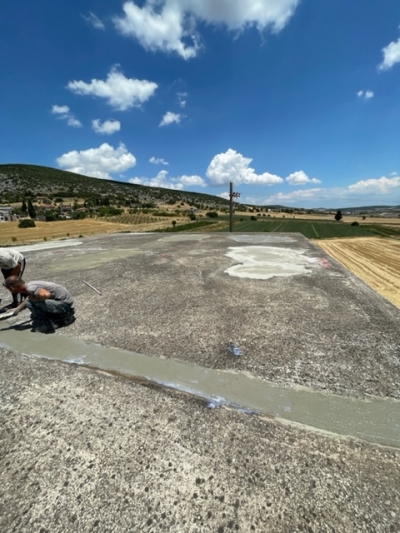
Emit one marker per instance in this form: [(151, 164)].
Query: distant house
[(47, 207), (6, 214), (65, 208)]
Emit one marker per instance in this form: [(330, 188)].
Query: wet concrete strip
[(47, 245), (375, 420)]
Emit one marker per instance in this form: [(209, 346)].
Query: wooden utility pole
[(232, 195)]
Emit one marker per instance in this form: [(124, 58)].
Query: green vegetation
[(188, 227), (312, 229), (27, 223)]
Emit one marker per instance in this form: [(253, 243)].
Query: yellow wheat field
[(376, 261)]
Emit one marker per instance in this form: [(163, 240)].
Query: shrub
[(192, 216), (174, 223), (355, 223), (253, 218), (212, 214), (14, 239), (27, 223)]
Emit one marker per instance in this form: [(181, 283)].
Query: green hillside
[(19, 181)]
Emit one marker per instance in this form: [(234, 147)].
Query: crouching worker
[(12, 263), (51, 305)]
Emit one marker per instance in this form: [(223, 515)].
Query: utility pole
[(232, 195)]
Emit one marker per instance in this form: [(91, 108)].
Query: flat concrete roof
[(86, 451)]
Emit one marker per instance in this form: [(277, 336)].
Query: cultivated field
[(376, 261), (10, 233)]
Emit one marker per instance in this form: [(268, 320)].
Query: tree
[(27, 223), (31, 209), (24, 209), (338, 215), (173, 223)]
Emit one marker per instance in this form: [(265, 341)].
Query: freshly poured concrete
[(374, 420), (265, 262)]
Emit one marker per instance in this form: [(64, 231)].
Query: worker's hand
[(16, 311)]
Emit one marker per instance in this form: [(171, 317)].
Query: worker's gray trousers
[(45, 310)]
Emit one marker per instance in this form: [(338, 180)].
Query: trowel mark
[(376, 420)]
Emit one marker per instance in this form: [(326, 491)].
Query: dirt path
[(376, 261)]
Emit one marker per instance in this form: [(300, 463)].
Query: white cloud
[(393, 174), (381, 185), (74, 122), (391, 55), (170, 118), (189, 181), (170, 25), (60, 109), (107, 128), (232, 166), (364, 191), (94, 21), (63, 113), (300, 178), (158, 161), (162, 180), (224, 195), (365, 95), (98, 162), (182, 99), (120, 92), (293, 196)]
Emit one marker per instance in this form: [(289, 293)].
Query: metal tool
[(91, 286)]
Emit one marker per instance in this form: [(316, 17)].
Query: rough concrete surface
[(84, 451)]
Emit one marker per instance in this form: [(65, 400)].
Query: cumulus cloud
[(170, 118), (158, 161), (391, 55), (94, 21), (171, 25), (162, 180), (300, 178), (381, 185), (362, 191), (294, 196), (98, 162), (63, 112), (107, 128), (120, 92), (232, 166), (365, 95)]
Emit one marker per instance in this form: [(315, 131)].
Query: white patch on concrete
[(265, 262), (263, 239), (47, 245)]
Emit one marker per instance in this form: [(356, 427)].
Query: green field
[(312, 229)]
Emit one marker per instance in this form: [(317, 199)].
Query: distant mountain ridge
[(19, 181)]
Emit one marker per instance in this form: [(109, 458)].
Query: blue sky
[(295, 101)]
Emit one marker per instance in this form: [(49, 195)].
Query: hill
[(18, 182)]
